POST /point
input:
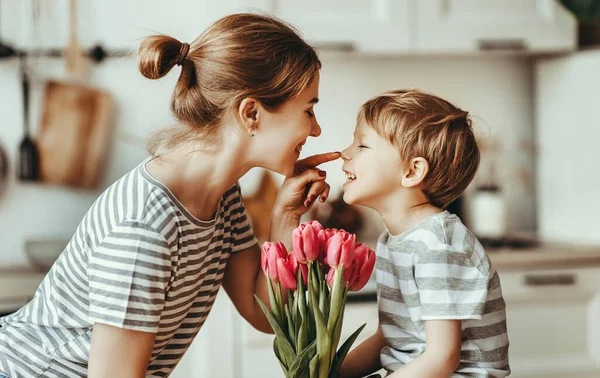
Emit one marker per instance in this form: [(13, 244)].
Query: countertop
[(549, 256)]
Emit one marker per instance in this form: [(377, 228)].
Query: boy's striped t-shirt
[(438, 270), (138, 260)]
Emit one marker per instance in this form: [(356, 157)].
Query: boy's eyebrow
[(313, 101)]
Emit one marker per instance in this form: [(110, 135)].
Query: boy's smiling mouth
[(349, 176)]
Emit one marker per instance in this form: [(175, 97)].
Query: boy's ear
[(415, 172)]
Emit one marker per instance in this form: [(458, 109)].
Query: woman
[(137, 280)]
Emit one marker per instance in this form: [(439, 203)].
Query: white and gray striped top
[(138, 260), (439, 270)]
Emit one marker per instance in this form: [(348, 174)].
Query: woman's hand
[(298, 193), (305, 186)]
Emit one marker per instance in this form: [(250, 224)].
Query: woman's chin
[(285, 169)]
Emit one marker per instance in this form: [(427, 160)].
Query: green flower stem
[(337, 298), (273, 302), (323, 340), (280, 303)]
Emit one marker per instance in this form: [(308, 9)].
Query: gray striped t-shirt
[(138, 260), (438, 270)]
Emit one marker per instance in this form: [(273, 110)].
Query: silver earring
[(252, 131)]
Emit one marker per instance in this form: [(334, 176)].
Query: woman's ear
[(248, 113), (415, 172)]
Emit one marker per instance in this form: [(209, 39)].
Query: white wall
[(497, 90)]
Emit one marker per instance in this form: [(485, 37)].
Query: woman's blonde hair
[(240, 55), (423, 125)]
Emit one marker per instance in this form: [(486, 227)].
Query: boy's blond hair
[(423, 125)]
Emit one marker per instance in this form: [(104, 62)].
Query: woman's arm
[(243, 275), (117, 352), (442, 356), (364, 359)]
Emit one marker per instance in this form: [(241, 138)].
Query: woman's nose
[(315, 130)]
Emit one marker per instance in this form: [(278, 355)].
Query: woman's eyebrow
[(313, 101)]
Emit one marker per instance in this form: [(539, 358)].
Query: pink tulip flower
[(281, 266), (359, 271), (340, 249), (271, 252), (307, 246), (362, 266)]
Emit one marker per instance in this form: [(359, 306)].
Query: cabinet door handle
[(502, 44), (550, 280)]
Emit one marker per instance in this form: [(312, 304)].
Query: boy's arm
[(442, 356), (364, 359)]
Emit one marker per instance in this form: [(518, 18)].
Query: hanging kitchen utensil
[(3, 169), (6, 51), (76, 123), (74, 55), (74, 134), (29, 169)]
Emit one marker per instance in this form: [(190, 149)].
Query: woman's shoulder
[(133, 198)]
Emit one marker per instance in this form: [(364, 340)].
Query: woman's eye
[(310, 114)]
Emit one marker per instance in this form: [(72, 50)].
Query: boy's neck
[(403, 213)]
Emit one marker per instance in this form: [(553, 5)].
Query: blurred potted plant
[(588, 15)]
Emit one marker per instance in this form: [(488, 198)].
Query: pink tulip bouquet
[(324, 266)]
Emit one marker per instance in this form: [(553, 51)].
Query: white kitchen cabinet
[(115, 24), (467, 26), (566, 92), (364, 25), (553, 319)]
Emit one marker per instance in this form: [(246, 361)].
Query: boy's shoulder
[(441, 231)]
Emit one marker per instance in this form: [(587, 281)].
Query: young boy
[(441, 311)]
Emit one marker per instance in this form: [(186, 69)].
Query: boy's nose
[(346, 154)]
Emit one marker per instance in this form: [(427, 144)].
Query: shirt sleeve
[(451, 285), (243, 235), (128, 273)]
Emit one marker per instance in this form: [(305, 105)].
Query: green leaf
[(273, 301), (337, 298), (278, 355), (301, 296), (320, 274), (310, 315), (314, 366), (294, 305), (285, 348), (323, 341), (280, 303), (302, 335), (337, 332), (323, 300), (302, 360), (341, 354), (290, 324)]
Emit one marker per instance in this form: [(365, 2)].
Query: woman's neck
[(199, 175)]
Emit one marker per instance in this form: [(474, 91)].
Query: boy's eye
[(363, 146)]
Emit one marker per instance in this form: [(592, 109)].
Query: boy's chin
[(350, 199)]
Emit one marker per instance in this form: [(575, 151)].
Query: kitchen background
[(527, 70)]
